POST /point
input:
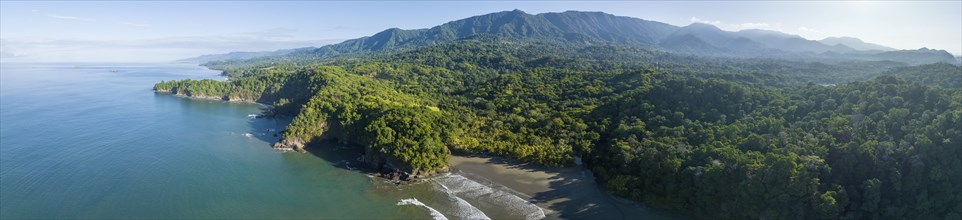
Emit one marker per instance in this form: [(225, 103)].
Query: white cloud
[(64, 17), (697, 20), (806, 29), (753, 25), (142, 50), (4, 53), (732, 27), (134, 24)]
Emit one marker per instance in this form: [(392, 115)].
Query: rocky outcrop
[(290, 144), (189, 95), (237, 99), (369, 161), (403, 176)]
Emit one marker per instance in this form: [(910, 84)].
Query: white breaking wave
[(248, 135), (458, 186), (434, 213), (464, 209)]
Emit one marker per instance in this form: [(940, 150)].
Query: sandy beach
[(563, 193)]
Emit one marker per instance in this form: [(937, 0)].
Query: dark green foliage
[(286, 90), (859, 150), (716, 137), (368, 112), (941, 74)]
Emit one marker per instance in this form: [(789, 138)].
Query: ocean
[(92, 140)]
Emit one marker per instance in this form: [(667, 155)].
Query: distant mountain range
[(239, 55), (594, 28), (855, 43)]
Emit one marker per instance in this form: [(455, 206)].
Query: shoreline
[(563, 193), (212, 98)]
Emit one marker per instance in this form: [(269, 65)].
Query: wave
[(464, 209), (434, 213), (461, 188)]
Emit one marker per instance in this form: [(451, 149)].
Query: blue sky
[(163, 31)]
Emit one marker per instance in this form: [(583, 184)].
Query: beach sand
[(563, 193)]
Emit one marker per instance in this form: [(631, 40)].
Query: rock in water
[(290, 144)]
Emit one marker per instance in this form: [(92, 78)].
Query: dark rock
[(290, 144)]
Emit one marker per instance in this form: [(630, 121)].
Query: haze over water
[(94, 141)]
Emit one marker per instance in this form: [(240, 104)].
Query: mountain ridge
[(576, 27), (238, 55), (855, 43)]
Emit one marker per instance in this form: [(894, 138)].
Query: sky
[(140, 31)]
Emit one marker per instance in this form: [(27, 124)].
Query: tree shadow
[(268, 129), (271, 129), (574, 194), (341, 155)]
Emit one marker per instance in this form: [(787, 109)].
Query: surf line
[(434, 213), (464, 208)]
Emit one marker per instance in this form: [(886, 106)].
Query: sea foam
[(464, 209), (434, 213), (462, 188)]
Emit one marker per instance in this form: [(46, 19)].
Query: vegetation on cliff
[(716, 137)]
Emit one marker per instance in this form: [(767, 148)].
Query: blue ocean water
[(94, 141)]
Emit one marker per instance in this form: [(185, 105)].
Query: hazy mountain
[(854, 43), (753, 42), (592, 28), (688, 43), (570, 25), (239, 55), (920, 56), (708, 33), (797, 44)]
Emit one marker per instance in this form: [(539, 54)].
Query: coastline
[(563, 193), (205, 97), (212, 98)]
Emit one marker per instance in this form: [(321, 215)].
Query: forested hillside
[(885, 148), (940, 74), (715, 137), (598, 28)]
